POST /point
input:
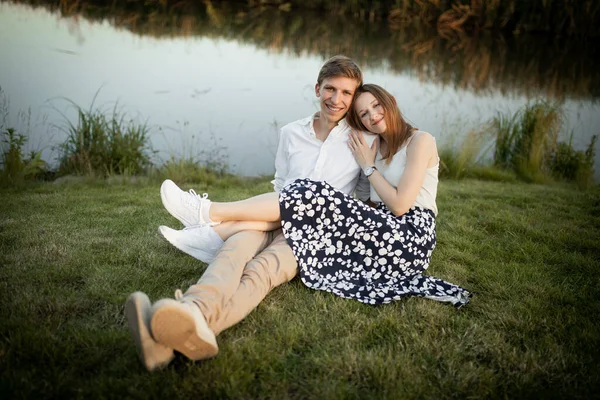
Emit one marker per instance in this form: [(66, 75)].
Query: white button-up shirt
[(301, 155)]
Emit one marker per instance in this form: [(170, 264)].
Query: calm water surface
[(221, 97)]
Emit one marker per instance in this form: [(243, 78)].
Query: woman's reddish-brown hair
[(398, 130)]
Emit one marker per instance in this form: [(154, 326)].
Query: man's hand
[(364, 155)]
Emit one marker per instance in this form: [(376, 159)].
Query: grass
[(72, 252)]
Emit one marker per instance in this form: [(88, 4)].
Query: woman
[(344, 246)]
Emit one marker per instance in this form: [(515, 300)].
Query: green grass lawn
[(71, 253)]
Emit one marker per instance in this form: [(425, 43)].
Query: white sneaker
[(153, 355), (188, 207), (200, 241), (182, 326)]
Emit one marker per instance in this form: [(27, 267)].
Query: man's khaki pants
[(248, 266)]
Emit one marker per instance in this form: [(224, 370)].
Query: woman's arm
[(399, 199)]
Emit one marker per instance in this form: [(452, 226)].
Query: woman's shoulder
[(421, 138)]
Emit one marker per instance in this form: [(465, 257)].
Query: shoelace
[(192, 198), (178, 294)]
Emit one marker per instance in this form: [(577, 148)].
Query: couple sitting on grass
[(373, 248)]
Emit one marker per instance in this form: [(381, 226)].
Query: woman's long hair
[(397, 129)]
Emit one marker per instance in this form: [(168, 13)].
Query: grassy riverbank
[(72, 251)]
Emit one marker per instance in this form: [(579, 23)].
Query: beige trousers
[(248, 266)]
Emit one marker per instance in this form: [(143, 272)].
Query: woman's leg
[(229, 228), (264, 207)]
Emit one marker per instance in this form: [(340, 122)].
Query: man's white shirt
[(301, 155)]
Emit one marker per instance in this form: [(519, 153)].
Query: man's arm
[(281, 163)]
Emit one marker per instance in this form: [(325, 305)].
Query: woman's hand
[(364, 155)]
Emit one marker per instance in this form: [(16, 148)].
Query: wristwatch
[(369, 170)]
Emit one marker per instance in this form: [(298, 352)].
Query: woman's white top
[(394, 170)]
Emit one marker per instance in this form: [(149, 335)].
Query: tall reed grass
[(17, 167), (526, 147), (104, 143), (462, 159), (526, 140), (569, 164)]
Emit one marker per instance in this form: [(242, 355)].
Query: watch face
[(369, 171)]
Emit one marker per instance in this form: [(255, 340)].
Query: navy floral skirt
[(354, 251)]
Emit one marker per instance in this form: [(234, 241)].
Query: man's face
[(335, 96)]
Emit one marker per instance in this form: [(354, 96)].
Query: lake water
[(217, 86)]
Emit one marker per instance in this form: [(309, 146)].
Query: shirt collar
[(341, 126)]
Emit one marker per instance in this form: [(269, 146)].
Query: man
[(250, 263)]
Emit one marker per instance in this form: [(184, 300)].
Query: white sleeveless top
[(394, 170)]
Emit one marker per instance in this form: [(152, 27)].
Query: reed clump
[(15, 166), (104, 143), (525, 147), (569, 164), (464, 159), (526, 140), (527, 143)]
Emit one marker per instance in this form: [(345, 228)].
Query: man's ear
[(317, 89)]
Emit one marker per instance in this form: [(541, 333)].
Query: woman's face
[(370, 112)]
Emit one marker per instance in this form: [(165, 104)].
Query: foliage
[(104, 143), (528, 252)]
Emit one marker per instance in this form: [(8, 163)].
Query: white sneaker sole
[(198, 254), (174, 326), (138, 312)]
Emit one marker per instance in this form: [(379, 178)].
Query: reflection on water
[(234, 73)]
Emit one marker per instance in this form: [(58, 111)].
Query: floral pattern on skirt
[(354, 251)]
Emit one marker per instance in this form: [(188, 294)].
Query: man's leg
[(181, 324), (222, 278), (273, 266)]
